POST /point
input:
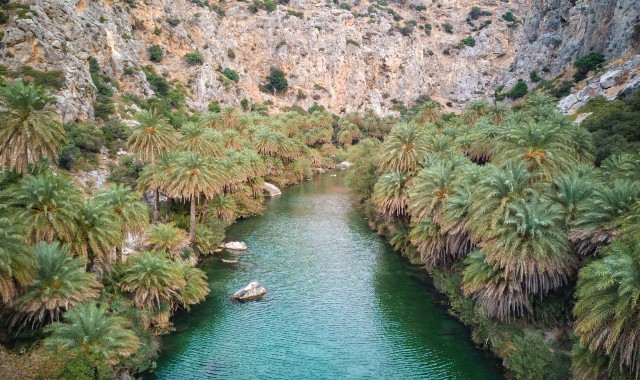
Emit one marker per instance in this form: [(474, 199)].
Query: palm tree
[(167, 238), (151, 137), (29, 127), (97, 234), (198, 138), (601, 216), (474, 111), (196, 287), (17, 262), (153, 279), (157, 178), (195, 176), (90, 332), (47, 204), (572, 191), (390, 194), (499, 296), (60, 283), (131, 213), (437, 248), (531, 247), (607, 309), (429, 112), (404, 149)]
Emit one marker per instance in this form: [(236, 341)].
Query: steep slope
[(373, 55)]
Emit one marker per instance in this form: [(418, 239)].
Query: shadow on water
[(342, 304)]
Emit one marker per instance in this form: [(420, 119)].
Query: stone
[(566, 103), (253, 291), (609, 79), (235, 246), (270, 190), (345, 164)]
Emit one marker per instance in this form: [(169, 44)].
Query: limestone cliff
[(368, 56)]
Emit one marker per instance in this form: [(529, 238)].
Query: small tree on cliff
[(276, 82)]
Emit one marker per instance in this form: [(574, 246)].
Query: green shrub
[(477, 12), (448, 28), (587, 63), (535, 78), (469, 41), (231, 54), (195, 58), (155, 53), (345, 6), (509, 17), (3, 18), (244, 103), (214, 107), (276, 82), (52, 78), (562, 90), (353, 42), (157, 31), (231, 74), (173, 21), (636, 32), (519, 90)]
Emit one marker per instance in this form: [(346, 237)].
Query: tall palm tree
[(198, 138), (607, 309), (474, 111), (531, 246), (499, 296), (572, 191), (151, 137), (17, 262), (196, 176), (132, 214), (153, 279), (29, 127), (90, 332), (97, 235), (429, 112), (601, 216), (47, 204), (167, 238), (196, 287), (157, 178), (60, 283), (390, 194), (404, 149)]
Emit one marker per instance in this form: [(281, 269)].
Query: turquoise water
[(341, 304)]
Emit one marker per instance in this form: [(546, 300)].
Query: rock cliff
[(347, 56)]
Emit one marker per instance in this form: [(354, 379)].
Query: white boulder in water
[(345, 164), (236, 245), (271, 190), (251, 292)]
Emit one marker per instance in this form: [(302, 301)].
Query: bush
[(173, 21), (276, 82), (155, 53), (519, 90), (231, 54), (448, 28), (3, 18), (244, 103), (535, 78), (195, 58), (636, 32), (469, 41), (345, 6), (477, 12), (214, 107), (586, 63), (509, 17), (231, 74)]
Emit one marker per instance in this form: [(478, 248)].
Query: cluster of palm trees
[(511, 201), (63, 268)]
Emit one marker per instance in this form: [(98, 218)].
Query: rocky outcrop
[(252, 292), (270, 190), (618, 81), (371, 56)]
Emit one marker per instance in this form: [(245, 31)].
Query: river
[(342, 304)]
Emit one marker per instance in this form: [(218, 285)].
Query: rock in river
[(271, 190), (251, 292), (235, 246)]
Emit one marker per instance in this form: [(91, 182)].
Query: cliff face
[(365, 57)]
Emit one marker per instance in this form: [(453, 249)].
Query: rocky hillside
[(346, 56)]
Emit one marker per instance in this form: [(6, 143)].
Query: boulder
[(251, 292), (609, 79), (270, 190), (236, 245), (345, 164)]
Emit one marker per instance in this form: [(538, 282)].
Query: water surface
[(342, 304)]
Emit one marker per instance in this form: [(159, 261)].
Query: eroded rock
[(251, 292)]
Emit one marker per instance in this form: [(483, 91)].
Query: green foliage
[(267, 5), (104, 105), (173, 21), (231, 54), (636, 32), (214, 107), (477, 12), (535, 78), (156, 53), (518, 91), (587, 63), (276, 82), (530, 358), (195, 58), (448, 28), (615, 125), (84, 142), (232, 75), (468, 41)]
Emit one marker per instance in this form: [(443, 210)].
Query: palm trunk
[(169, 207), (156, 206), (118, 254), (192, 221)]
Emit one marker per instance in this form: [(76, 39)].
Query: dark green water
[(342, 304)]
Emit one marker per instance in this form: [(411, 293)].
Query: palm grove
[(94, 275), (536, 248)]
